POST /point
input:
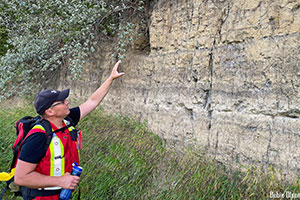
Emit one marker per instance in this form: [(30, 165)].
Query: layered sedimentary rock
[(221, 75)]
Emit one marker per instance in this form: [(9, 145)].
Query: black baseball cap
[(46, 98)]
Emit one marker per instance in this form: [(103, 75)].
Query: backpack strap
[(49, 133), (3, 192), (73, 133)]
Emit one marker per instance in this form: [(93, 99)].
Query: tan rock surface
[(223, 75)]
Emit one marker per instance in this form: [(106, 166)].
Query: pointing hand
[(115, 74)]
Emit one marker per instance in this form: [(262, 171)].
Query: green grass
[(122, 159)]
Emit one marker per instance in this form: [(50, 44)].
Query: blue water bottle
[(65, 194)]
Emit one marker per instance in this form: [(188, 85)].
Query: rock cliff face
[(221, 74)]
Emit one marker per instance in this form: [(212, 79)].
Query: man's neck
[(56, 121)]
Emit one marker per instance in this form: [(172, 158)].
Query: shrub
[(46, 35)]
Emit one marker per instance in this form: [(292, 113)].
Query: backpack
[(23, 126)]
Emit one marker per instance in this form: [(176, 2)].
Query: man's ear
[(49, 112)]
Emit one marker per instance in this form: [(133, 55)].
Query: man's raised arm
[(96, 98)]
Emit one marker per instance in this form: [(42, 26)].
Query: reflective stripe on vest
[(57, 166), (39, 127), (71, 128)]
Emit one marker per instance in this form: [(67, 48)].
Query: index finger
[(117, 64)]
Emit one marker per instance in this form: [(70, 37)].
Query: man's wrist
[(60, 181), (110, 78)]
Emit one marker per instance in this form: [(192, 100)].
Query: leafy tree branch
[(39, 37)]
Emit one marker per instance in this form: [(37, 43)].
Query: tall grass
[(122, 159)]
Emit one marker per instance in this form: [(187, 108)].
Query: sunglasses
[(60, 102)]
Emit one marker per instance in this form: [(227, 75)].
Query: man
[(49, 170)]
